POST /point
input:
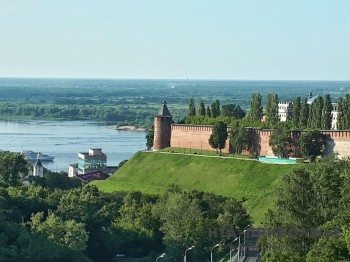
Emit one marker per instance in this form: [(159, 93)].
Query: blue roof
[(312, 99)]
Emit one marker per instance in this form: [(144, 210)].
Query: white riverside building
[(92, 161)]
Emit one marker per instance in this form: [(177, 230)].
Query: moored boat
[(30, 155)]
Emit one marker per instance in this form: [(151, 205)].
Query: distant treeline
[(130, 115)]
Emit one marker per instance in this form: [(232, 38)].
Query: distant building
[(89, 162), (285, 111), (335, 113), (73, 170), (38, 169), (96, 175)]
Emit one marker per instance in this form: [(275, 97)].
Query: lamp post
[(211, 252), (239, 241), (161, 256), (239, 246), (231, 248), (190, 248)]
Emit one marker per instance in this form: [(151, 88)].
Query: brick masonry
[(196, 137)]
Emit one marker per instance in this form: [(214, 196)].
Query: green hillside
[(242, 179)]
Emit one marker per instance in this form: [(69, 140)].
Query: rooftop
[(164, 111)]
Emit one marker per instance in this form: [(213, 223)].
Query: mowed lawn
[(153, 173)]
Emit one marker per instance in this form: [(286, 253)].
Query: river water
[(64, 139)]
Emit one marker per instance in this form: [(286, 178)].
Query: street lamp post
[(190, 248), (161, 256), (239, 242), (211, 252), (232, 248)]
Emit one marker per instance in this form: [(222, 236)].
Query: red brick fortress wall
[(196, 137), (338, 142), (192, 136)]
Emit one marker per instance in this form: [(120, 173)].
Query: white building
[(335, 112), (38, 169), (73, 170), (285, 111)]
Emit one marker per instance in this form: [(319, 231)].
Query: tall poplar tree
[(315, 115), (272, 109), (191, 108), (208, 112), (215, 109), (326, 122), (345, 112), (256, 108), (201, 108), (296, 112), (340, 114), (239, 138), (304, 115)]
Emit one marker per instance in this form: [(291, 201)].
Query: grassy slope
[(154, 172)]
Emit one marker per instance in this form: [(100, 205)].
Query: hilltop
[(153, 173)]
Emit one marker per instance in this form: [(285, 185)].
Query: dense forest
[(56, 219), (311, 215)]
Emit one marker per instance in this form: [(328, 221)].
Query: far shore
[(127, 128)]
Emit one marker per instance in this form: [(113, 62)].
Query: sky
[(176, 39)]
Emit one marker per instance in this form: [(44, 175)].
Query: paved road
[(252, 250)]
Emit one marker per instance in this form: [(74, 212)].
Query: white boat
[(30, 155)]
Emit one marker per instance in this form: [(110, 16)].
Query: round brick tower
[(162, 128)]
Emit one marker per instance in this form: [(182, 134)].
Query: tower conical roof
[(164, 111)]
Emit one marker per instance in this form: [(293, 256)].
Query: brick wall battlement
[(196, 137)]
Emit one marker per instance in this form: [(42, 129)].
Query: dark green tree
[(239, 139), (315, 116), (304, 115), (219, 135), (326, 122), (67, 233), (137, 226), (280, 141), (215, 109), (13, 167), (208, 112), (340, 118), (312, 143), (232, 110), (344, 114), (272, 110), (201, 108), (295, 207), (150, 138), (54, 180), (311, 197), (256, 109), (296, 112), (191, 107)]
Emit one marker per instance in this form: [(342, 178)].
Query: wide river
[(64, 139)]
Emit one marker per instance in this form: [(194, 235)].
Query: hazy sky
[(216, 39)]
